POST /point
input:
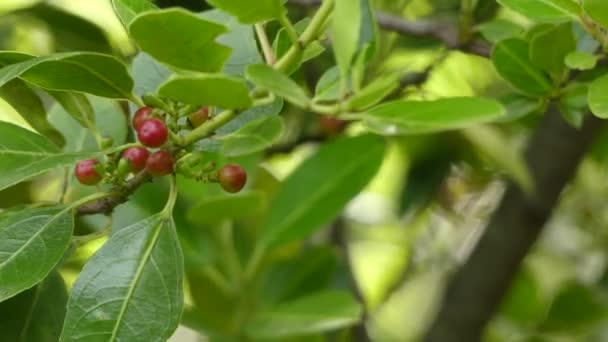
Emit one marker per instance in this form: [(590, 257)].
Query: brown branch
[(476, 290)]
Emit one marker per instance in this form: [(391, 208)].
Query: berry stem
[(208, 128), (168, 210)]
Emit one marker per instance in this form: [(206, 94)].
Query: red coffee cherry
[(137, 157), (160, 163), (85, 172), (153, 133), (331, 125), (232, 177), (200, 117), (141, 115)]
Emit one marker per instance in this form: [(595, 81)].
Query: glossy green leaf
[(210, 90), (578, 60), (36, 314), (373, 93), (346, 27), (511, 59), (77, 105), (550, 11), (248, 13), (319, 189), (29, 105), (597, 10), (548, 49), (576, 306), (97, 74), (134, 282), (494, 146), (216, 209), (278, 83), (127, 10), (32, 241), (253, 137), (598, 97), (24, 154), (240, 38), (320, 312), (499, 29), (415, 117), (191, 39)]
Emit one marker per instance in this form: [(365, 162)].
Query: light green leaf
[(29, 105), (415, 117), (36, 314), (499, 29), (223, 91), (511, 60), (77, 105), (32, 241), (373, 93), (328, 86), (598, 97), (493, 145), (346, 27), (548, 11), (253, 137), (578, 60), (131, 289), (597, 10), (216, 209), (181, 39), (93, 73), (127, 10), (549, 48), (318, 190), (320, 312), (278, 83), (248, 13), (24, 154)]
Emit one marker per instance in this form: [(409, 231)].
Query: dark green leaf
[(131, 289), (181, 39), (24, 154), (511, 60), (523, 303), (550, 11), (253, 137), (518, 106), (278, 83), (36, 314), (27, 103), (32, 241), (321, 312), (127, 10), (575, 307), (415, 117), (223, 91), (548, 49), (248, 13), (318, 190)]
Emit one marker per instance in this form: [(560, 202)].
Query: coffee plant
[(226, 177)]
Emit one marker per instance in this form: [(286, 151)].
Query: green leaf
[(320, 312), (29, 105), (597, 10), (511, 59), (36, 314), (415, 117), (319, 189), (253, 137), (127, 10), (240, 38), (77, 105), (181, 39), (346, 28), (328, 86), (573, 104), (497, 148), (576, 307), (278, 83), (548, 49), (549, 11), (578, 60), (131, 289), (248, 14), (148, 74), (32, 241), (499, 29), (598, 97), (523, 303), (373, 93), (518, 106), (92, 73), (24, 154), (282, 43), (223, 207), (223, 91)]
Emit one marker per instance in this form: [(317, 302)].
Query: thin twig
[(265, 44)]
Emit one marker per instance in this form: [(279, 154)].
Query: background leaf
[(252, 137), (215, 209)]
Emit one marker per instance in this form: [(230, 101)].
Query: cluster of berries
[(152, 132)]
